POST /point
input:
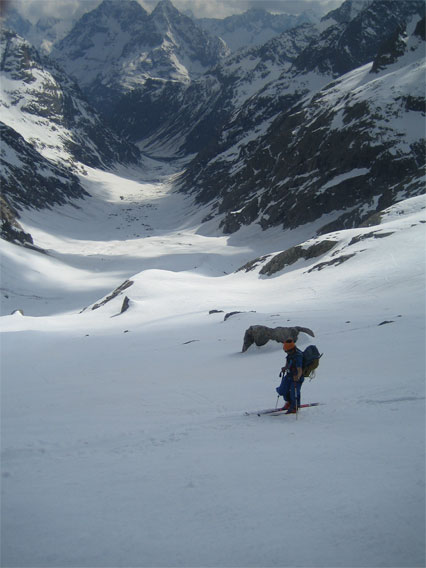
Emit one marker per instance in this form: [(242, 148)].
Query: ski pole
[(295, 399), (278, 397)]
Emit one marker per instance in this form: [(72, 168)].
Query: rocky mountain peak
[(347, 11), (118, 47), (347, 45), (18, 56), (119, 10), (110, 17), (45, 24), (166, 19), (165, 9)]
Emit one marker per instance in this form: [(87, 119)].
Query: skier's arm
[(299, 371), (298, 375)]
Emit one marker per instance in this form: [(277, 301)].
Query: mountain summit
[(119, 46)]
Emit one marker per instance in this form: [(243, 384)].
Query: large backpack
[(311, 357)]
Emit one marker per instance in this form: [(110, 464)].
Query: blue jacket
[(294, 360)]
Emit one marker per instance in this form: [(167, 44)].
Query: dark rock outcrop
[(292, 255), (10, 229), (28, 180), (193, 115), (337, 150), (44, 94), (356, 40), (261, 334), (126, 284), (125, 305)]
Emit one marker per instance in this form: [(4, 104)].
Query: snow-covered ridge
[(41, 103), (254, 27)]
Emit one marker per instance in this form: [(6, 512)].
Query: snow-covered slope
[(30, 180), (124, 439), (124, 387), (48, 133), (41, 103)]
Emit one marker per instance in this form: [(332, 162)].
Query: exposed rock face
[(63, 125), (334, 249), (358, 36), (117, 47), (354, 147), (46, 127), (192, 117), (28, 180), (260, 334), (10, 229), (125, 305), (254, 27), (289, 257), (126, 284)]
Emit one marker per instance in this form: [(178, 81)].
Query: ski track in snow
[(124, 439)]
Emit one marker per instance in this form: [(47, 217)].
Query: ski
[(280, 411), (275, 411)]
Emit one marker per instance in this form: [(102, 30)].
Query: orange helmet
[(289, 345)]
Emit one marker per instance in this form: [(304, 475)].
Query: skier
[(292, 377)]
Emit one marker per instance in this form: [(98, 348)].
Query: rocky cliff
[(340, 148)]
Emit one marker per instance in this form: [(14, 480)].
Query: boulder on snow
[(18, 312), (125, 305), (260, 334), (114, 294)]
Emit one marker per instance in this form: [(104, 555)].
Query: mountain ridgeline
[(320, 122), (119, 46), (336, 137)]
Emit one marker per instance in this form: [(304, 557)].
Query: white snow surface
[(124, 436)]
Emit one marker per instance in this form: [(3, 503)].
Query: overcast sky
[(34, 9)]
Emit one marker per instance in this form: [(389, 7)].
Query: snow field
[(138, 450), (124, 438)]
